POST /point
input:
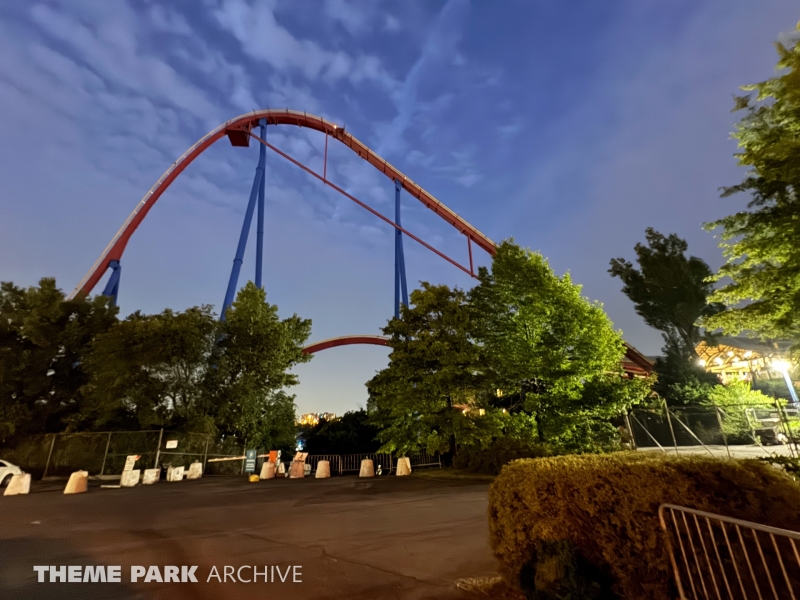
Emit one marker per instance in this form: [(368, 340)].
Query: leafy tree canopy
[(522, 356), (669, 290), (761, 243), (351, 434), (44, 341), (188, 370), (554, 350), (433, 368)]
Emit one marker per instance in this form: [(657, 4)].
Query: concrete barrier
[(175, 474), (130, 478), (151, 476), (403, 466), (323, 469), (367, 468), (297, 470), (78, 483), (281, 472), (268, 470), (195, 470), (19, 484)]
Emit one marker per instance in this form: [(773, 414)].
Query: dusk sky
[(570, 126)]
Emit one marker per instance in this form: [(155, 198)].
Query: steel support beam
[(262, 160), (233, 282), (112, 287), (400, 287)]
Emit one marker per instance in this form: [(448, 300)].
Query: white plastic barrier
[(19, 484), (78, 483), (151, 476), (323, 469), (195, 470), (297, 470), (367, 468), (175, 474), (130, 478), (403, 466), (268, 470)]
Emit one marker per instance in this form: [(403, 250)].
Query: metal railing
[(717, 557), (352, 462), (334, 459), (423, 459)]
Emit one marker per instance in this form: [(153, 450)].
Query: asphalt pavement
[(344, 538)]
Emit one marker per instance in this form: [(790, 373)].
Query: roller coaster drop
[(240, 131)]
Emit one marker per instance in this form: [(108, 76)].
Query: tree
[(150, 371), (761, 243), (669, 291), (351, 434), (251, 367), (189, 371), (426, 397), (44, 340), (544, 343)]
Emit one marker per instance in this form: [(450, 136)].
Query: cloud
[(439, 49), (261, 37)]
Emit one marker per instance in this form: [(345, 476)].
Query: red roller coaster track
[(239, 133)]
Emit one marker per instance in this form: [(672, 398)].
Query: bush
[(587, 526), (499, 453)]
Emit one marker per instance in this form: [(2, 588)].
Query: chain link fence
[(733, 430), (104, 453)]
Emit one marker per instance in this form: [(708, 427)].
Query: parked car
[(7, 470)]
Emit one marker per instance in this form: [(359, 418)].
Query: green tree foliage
[(523, 356), (761, 243), (189, 371), (547, 345), (150, 370), (427, 396), (351, 434), (251, 365), (44, 341), (733, 400), (670, 292)]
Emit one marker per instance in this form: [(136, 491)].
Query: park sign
[(250, 461)]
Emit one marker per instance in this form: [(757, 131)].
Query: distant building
[(743, 359), (315, 418)]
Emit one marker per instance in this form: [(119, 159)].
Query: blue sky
[(570, 126)]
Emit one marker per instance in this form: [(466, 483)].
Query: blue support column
[(248, 220), (262, 159), (112, 287), (399, 258)]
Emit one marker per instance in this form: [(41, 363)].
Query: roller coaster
[(239, 132)]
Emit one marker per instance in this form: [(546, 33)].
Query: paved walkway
[(751, 451), (390, 537)]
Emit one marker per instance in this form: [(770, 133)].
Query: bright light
[(718, 360), (701, 362), (781, 365)]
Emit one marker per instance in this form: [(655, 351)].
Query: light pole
[(784, 366)]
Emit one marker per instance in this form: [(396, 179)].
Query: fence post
[(108, 443), (671, 430), (785, 423), (49, 454), (630, 431), (158, 450), (205, 456), (722, 431)]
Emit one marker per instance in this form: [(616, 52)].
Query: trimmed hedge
[(587, 526)]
